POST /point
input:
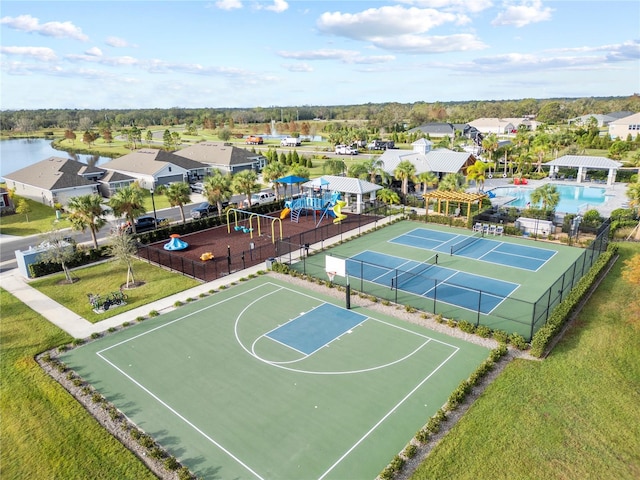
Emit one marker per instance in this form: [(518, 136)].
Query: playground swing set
[(248, 217)]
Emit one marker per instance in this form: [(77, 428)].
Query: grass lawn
[(107, 277), (574, 415), (42, 218), (45, 432)]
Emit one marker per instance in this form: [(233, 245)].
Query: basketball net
[(331, 276)]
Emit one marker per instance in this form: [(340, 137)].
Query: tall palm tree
[(86, 211), (427, 179), (405, 171), (453, 182), (490, 145), (374, 167), (246, 183), (358, 170), (273, 171), (128, 202), (476, 172), (547, 195), (179, 194), (217, 189)]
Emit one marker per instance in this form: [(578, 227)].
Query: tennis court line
[(396, 406), (179, 415)]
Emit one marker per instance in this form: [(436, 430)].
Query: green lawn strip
[(107, 277), (45, 432), (573, 415), (42, 218)]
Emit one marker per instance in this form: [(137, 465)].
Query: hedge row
[(563, 312), (80, 258)]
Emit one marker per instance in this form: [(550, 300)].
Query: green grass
[(42, 219), (45, 432), (574, 415), (108, 277)]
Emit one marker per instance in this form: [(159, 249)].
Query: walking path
[(78, 327)]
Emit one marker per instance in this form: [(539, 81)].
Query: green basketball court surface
[(269, 380)]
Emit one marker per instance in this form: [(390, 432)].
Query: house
[(54, 180), (440, 161), (153, 167), (224, 157), (497, 126), (623, 127), (6, 204), (435, 130)]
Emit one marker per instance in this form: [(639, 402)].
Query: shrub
[(483, 331), (171, 464), (153, 313), (146, 441), (140, 319), (184, 474), (518, 341), (500, 336), (452, 323), (410, 451), (466, 327), (77, 341), (125, 324), (177, 303), (438, 318), (95, 335)]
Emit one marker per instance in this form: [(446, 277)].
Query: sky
[(248, 54)]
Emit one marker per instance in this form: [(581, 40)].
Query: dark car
[(144, 224), (205, 209)]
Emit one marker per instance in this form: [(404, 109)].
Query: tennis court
[(269, 380), (477, 246)]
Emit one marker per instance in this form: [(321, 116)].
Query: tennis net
[(466, 242), (402, 277)]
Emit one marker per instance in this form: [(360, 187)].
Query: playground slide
[(285, 213), (337, 210)]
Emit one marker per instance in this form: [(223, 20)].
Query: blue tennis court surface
[(479, 248), (316, 328), (466, 290)]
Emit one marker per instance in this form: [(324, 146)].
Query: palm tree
[(490, 145), (178, 195), (217, 189), (388, 196), (128, 202), (427, 179), (453, 182), (547, 195), (358, 170), (405, 171), (86, 211), (374, 167), (476, 172), (335, 166), (273, 171), (245, 182)]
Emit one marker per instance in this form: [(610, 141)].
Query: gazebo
[(458, 197), (584, 163)]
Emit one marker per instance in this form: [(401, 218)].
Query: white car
[(346, 150), (260, 198)]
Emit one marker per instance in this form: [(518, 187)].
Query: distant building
[(224, 157), (624, 127)]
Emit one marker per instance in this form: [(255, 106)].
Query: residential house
[(623, 127), (497, 126), (224, 157), (153, 167), (6, 205), (54, 180)]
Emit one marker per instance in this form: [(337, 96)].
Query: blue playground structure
[(323, 204)]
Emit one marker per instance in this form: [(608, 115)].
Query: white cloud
[(117, 42), (27, 23), (417, 44), (40, 53), (94, 52), (298, 67), (229, 4), (452, 5), (520, 15), (278, 6)]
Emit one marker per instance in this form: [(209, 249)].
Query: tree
[(453, 182), (404, 172), (427, 179), (178, 194), (224, 134), (245, 182), (58, 250), (334, 166), (86, 211), (388, 196), (122, 246), (476, 172), (23, 207), (547, 195), (217, 189), (490, 145), (128, 202), (374, 167), (272, 172)]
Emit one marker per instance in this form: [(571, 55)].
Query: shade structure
[(291, 180), (319, 182)]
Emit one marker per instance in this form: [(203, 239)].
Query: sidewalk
[(78, 327)]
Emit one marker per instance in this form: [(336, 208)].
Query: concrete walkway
[(78, 327)]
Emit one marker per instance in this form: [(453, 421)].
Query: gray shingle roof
[(53, 173), (215, 153), (149, 161)]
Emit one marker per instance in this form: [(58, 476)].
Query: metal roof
[(345, 184), (576, 161)]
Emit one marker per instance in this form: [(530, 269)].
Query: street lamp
[(155, 217)]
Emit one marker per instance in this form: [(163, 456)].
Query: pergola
[(459, 197)]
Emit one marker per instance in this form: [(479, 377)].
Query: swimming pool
[(573, 198)]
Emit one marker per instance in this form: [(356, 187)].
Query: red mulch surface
[(220, 241)]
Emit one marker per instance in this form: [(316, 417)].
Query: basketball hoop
[(331, 276)]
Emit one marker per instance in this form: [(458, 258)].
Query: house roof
[(345, 184), (435, 129), (53, 173), (576, 161), (113, 176), (631, 119), (216, 153), (441, 160), (149, 161), (485, 122)]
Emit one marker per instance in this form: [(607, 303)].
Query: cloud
[(40, 53), (298, 67), (278, 6), (344, 56), (452, 5), (94, 52), (27, 23), (228, 4), (529, 11), (417, 44), (117, 42)]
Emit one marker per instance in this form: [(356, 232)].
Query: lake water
[(16, 154)]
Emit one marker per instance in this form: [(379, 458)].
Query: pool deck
[(616, 193)]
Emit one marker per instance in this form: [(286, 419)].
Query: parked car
[(144, 224), (197, 187), (381, 145), (260, 198), (346, 150), (205, 209)]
